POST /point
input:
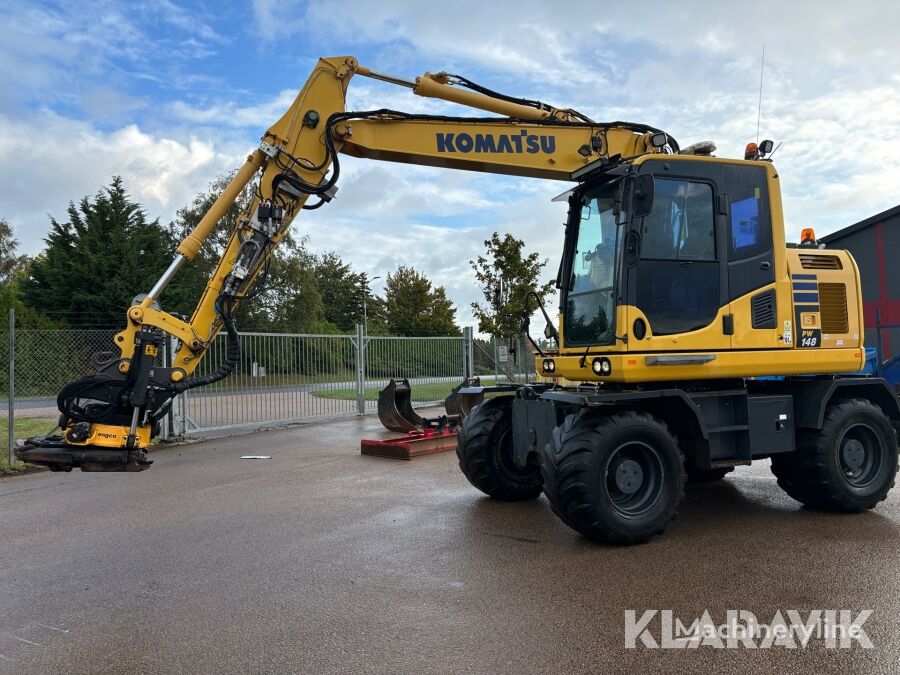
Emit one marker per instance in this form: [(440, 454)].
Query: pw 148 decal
[(496, 143)]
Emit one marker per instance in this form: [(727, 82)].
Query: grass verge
[(24, 427), (436, 391)]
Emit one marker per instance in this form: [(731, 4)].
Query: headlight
[(601, 366), (549, 366)]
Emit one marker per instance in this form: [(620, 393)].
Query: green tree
[(287, 298), (12, 273), (505, 274), (413, 307), (184, 293), (342, 291), (10, 261), (96, 263)]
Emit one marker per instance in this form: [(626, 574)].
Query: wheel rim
[(634, 478), (507, 465), (860, 455)]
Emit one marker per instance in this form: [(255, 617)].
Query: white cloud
[(68, 159), (379, 222), (258, 116), (51, 54), (105, 103)]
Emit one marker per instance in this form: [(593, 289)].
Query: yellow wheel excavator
[(691, 337)]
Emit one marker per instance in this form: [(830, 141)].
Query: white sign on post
[(503, 354)]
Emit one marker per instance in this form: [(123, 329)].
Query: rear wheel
[(485, 453), (615, 479), (850, 465)]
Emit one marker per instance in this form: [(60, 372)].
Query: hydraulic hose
[(232, 358)]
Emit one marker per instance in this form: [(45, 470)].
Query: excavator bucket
[(396, 412), (395, 407), (462, 404)]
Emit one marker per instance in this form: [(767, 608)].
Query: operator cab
[(663, 247)]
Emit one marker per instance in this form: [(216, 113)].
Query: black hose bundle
[(95, 399), (232, 358)]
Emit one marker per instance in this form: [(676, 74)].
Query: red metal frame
[(413, 444)]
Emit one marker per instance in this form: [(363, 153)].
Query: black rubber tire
[(817, 475), (698, 475), (788, 469), (577, 478), (484, 451)]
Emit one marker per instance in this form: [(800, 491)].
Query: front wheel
[(485, 453), (616, 479)]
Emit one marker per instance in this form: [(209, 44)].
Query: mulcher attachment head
[(58, 455)]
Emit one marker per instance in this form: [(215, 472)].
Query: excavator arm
[(108, 419)]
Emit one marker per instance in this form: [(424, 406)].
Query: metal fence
[(281, 377), (287, 377), (504, 360)]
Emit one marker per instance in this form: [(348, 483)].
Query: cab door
[(751, 259), (675, 264)]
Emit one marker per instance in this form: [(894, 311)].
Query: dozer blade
[(57, 455), (395, 407), (462, 404)]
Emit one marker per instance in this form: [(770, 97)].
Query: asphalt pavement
[(320, 560)]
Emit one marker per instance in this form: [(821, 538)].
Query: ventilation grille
[(833, 304), (820, 262), (762, 310)]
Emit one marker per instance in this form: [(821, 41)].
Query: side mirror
[(643, 196)]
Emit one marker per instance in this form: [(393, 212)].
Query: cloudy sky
[(170, 94)]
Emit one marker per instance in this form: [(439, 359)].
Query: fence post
[(11, 420), (178, 412), (468, 353), (496, 359), (360, 370)]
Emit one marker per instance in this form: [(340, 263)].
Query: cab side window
[(678, 284), (749, 230), (681, 225)]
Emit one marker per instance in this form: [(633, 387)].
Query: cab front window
[(590, 299)]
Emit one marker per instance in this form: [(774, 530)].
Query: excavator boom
[(108, 419)]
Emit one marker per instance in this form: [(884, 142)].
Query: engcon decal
[(522, 142)]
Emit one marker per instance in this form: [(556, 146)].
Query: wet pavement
[(320, 560)]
